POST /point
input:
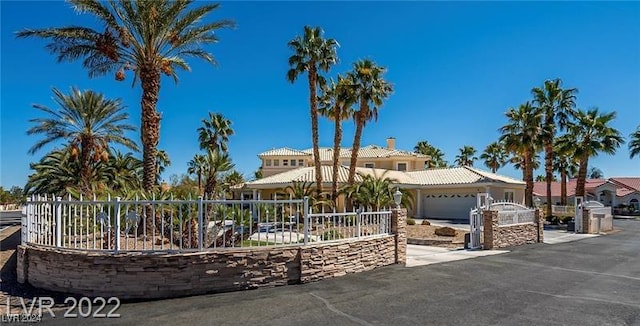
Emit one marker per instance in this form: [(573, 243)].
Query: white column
[(418, 203), (255, 194)]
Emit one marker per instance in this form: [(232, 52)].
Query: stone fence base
[(133, 275), (502, 236)]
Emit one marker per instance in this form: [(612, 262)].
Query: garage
[(448, 206)]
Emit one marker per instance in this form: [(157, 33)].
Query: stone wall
[(503, 236), (161, 275)]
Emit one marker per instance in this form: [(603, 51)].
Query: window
[(369, 165), (285, 162), (402, 166), (276, 162), (300, 162), (509, 195), (267, 162), (293, 162)]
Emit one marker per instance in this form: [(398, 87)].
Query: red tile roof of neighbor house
[(625, 186)]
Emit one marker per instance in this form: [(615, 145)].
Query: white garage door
[(449, 206)]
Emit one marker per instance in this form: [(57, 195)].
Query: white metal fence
[(187, 225)]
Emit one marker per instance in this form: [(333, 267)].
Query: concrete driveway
[(594, 281)]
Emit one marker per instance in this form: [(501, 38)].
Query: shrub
[(445, 232), (425, 222), (332, 235), (411, 221)]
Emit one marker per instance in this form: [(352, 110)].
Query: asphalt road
[(10, 218), (595, 281)]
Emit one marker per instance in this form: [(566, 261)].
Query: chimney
[(391, 143)]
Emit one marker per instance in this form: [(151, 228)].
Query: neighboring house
[(610, 192), (438, 193)]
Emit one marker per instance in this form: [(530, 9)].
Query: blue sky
[(456, 68)]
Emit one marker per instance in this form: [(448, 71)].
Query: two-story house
[(437, 193)]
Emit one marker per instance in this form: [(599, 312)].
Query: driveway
[(594, 281)]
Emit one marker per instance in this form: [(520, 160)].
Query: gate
[(475, 219)]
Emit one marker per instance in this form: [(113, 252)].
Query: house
[(448, 193), (610, 192)]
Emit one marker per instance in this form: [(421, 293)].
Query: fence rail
[(516, 217), (187, 225)]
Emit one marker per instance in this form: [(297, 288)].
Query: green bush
[(411, 221)]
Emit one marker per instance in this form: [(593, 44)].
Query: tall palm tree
[(335, 103), (595, 173), (594, 135), (217, 162), (557, 106), (146, 37), (197, 166), (494, 156), (162, 161), (466, 156), (520, 137), (437, 156), (215, 132), (89, 123), (565, 162), (371, 91), (634, 143), (312, 53)]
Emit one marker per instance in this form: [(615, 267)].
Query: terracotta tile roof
[(624, 186)]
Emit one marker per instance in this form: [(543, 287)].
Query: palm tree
[(594, 135), (162, 161), (634, 144), (371, 91), (215, 132), (466, 156), (540, 178), (437, 155), (595, 173), (146, 37), (230, 180), (89, 123), (376, 191), (494, 156), (557, 106), (217, 162), (520, 137), (124, 172), (197, 166), (564, 162), (335, 103), (312, 53)]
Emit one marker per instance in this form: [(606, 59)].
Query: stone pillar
[(586, 227), (490, 223), (539, 220), (399, 228), (21, 268)]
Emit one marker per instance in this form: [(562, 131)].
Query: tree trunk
[(548, 167), (563, 187), (360, 116), (150, 131), (528, 178), (313, 103), (200, 183), (85, 170), (337, 139), (582, 175)]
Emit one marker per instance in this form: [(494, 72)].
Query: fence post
[(358, 221), (306, 220), (116, 227), (25, 222), (58, 222), (200, 223)]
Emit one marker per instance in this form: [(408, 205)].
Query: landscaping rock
[(425, 222), (445, 232)]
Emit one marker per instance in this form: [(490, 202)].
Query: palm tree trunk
[(356, 142), (582, 175), (528, 179), (313, 101), (200, 183), (563, 187), (149, 133), (337, 139), (85, 161), (548, 167)]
